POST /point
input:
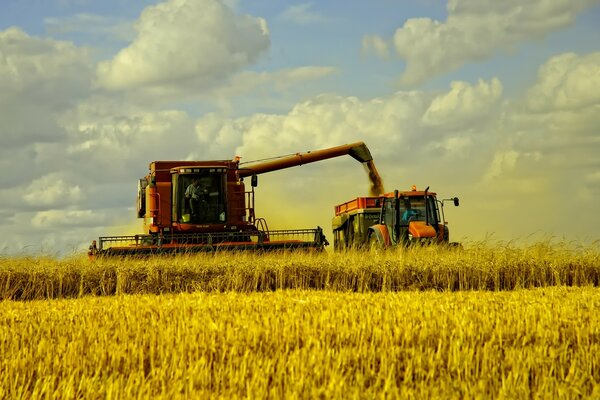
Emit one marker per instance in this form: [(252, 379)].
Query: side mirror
[(455, 201), (254, 181)]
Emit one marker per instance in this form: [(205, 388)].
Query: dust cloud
[(376, 182)]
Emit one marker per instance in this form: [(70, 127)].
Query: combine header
[(191, 206), (392, 219)]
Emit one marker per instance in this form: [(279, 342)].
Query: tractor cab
[(410, 215), (415, 216), (411, 207)]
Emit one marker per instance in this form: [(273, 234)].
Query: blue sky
[(495, 102)]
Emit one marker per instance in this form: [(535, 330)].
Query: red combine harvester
[(392, 219), (191, 206)]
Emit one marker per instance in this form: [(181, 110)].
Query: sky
[(497, 103)]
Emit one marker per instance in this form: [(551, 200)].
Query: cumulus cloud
[(561, 110), (567, 82), (118, 147), (38, 79), (66, 218), (327, 120), (42, 65), (469, 140), (68, 154), (474, 30), (457, 145), (410, 121), (405, 123), (52, 191), (409, 142), (464, 103), (184, 43), (547, 146)]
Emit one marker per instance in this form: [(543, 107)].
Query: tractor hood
[(419, 229)]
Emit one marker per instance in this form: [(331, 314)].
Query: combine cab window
[(199, 198)]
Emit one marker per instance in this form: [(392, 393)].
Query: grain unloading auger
[(217, 212)]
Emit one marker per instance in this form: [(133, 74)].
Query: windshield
[(200, 198), (412, 208)]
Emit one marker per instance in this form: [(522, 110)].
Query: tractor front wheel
[(374, 243)]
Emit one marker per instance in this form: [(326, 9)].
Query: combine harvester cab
[(392, 219), (193, 206)]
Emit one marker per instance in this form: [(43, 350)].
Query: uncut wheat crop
[(483, 322), (539, 343), (481, 267)]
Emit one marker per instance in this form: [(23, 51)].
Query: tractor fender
[(381, 233)]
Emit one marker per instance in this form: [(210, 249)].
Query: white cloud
[(39, 78), (66, 218), (405, 122), (566, 82), (118, 147), (464, 103), (405, 149), (454, 145), (329, 120), (302, 14), (561, 110), (52, 191), (470, 140), (547, 146), (475, 30), (38, 64), (186, 44)]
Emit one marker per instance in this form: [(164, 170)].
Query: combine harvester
[(221, 214), (392, 219)]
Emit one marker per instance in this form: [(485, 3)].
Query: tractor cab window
[(199, 198), (413, 208)]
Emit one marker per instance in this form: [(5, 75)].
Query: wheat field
[(541, 343), (481, 267), (486, 322)]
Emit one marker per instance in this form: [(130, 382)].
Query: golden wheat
[(541, 343), (477, 268)]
